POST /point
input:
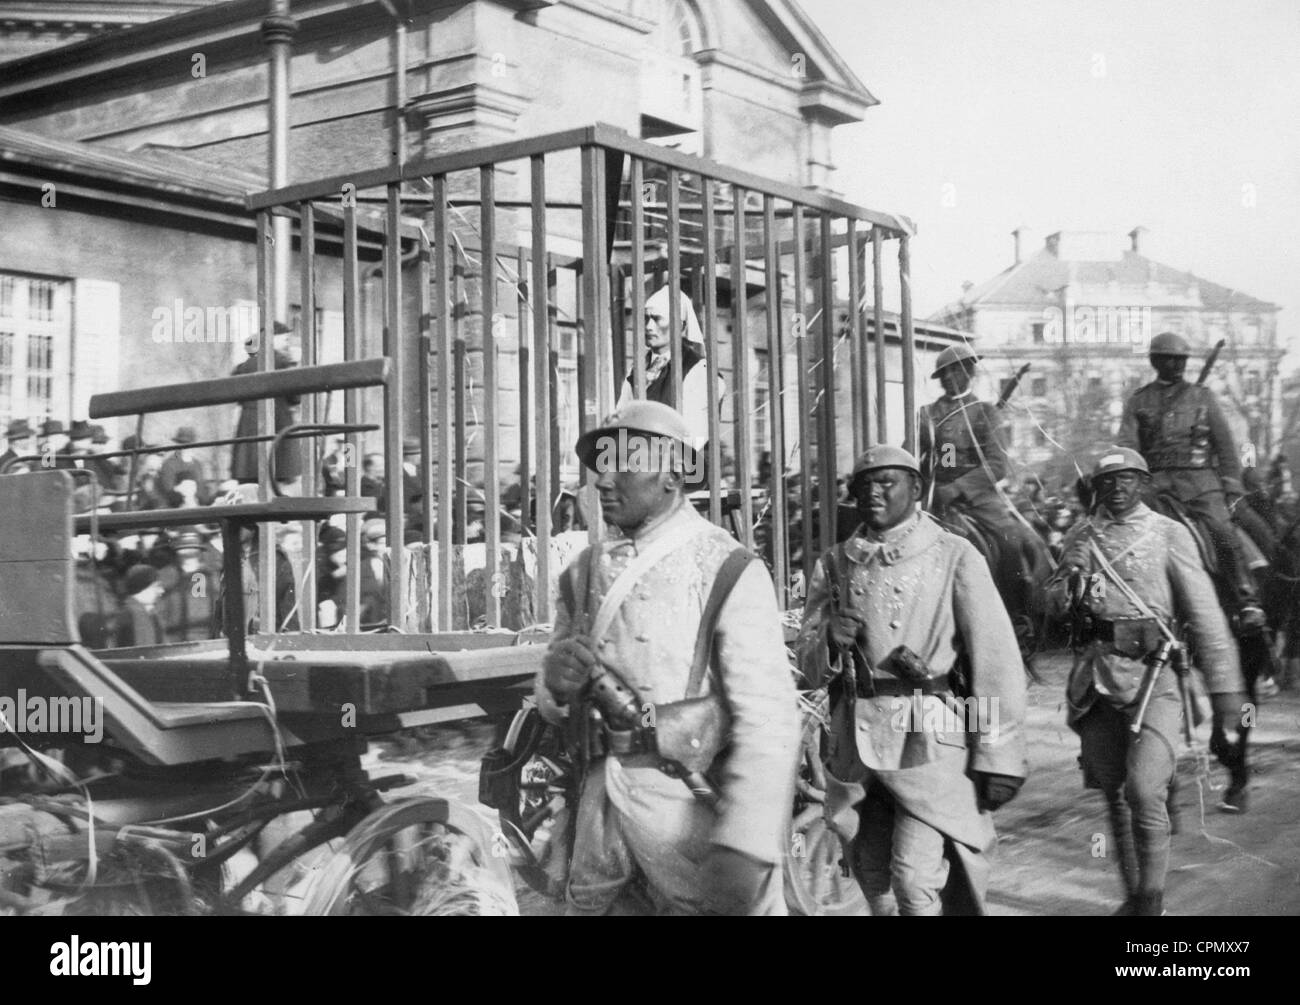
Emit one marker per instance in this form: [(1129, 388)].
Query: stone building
[(127, 150), (1081, 310)]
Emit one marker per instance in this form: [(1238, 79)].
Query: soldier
[(1180, 430), (634, 608), (1126, 573), (961, 453), (903, 620)]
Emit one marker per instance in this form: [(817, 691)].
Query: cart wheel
[(539, 799), (817, 877), (420, 856)]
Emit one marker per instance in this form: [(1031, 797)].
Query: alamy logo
[(946, 715), (102, 959), (62, 715), (179, 323)]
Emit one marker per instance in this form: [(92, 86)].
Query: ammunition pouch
[(690, 734), (1131, 638)]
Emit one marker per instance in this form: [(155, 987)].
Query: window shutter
[(96, 343)]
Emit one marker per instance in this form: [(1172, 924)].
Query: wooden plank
[(908, 335), (799, 331), (491, 473), (539, 300), (712, 358), (776, 406), (247, 387), (394, 419), (878, 322), (638, 277), (446, 402), (826, 449), (311, 454), (352, 413), (740, 365)]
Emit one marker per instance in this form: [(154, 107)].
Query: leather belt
[(897, 687)]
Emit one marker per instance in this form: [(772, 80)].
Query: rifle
[(1192, 713), (1210, 360), (1012, 384)]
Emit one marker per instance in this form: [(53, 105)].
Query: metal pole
[(909, 341), (878, 321)]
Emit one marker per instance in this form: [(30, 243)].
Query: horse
[(1021, 566), (1254, 647)]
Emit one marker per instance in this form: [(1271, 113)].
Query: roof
[(156, 168), (1038, 280)]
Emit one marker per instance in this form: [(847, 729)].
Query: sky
[(1179, 115)]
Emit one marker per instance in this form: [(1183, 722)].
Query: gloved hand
[(732, 881), (996, 791), (845, 628), (1227, 709), (567, 666)]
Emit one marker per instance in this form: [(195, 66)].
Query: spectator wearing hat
[(139, 624), (52, 445), (288, 458), (331, 568), (19, 436), (110, 471), (181, 467), (374, 483), (373, 575), (412, 491)]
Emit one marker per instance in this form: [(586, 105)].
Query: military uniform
[(919, 586), (633, 819), (1157, 558), (1181, 431), (963, 457)]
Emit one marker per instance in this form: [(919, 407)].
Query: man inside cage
[(660, 346)]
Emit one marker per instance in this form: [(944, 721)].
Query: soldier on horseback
[(1180, 429), (965, 464)]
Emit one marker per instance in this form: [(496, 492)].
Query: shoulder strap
[(725, 581)]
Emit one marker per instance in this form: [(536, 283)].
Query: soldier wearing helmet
[(632, 608), (1128, 576), (903, 622), (1180, 429), (961, 451)]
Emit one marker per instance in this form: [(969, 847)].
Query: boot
[(1149, 905)]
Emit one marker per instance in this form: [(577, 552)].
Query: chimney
[(1053, 243), (1016, 236), (1136, 237)]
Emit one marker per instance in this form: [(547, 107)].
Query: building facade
[(127, 153), (1080, 311)]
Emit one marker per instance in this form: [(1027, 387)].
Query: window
[(35, 349), (1254, 385), (1039, 328), (1038, 387), (1094, 385), (679, 32)]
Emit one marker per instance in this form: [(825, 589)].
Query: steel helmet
[(642, 417), (1169, 344), (1115, 459), (881, 455), (954, 354)]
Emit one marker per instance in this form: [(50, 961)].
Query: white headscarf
[(660, 305)]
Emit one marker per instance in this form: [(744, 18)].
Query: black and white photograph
[(650, 457)]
